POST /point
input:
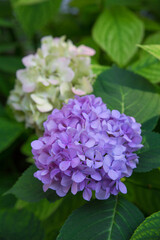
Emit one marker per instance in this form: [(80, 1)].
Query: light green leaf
[(148, 67), (98, 69), (110, 3), (149, 155), (149, 229), (117, 31), (130, 94), (152, 49), (9, 131), (146, 186), (114, 218), (27, 2), (20, 225), (34, 17), (29, 189)]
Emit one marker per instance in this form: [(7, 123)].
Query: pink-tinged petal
[(28, 60), (29, 87), (74, 188), (84, 50), (90, 143), (78, 177), (78, 91), (37, 145), (122, 188), (96, 176), (87, 194), (113, 174), (64, 165)]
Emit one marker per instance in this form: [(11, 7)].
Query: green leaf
[(7, 201), (53, 224), (26, 148), (20, 225), (152, 49), (149, 155), (9, 131), (42, 209), (150, 24), (129, 3), (10, 64), (98, 69), (27, 2), (6, 181), (5, 23), (146, 186), (130, 94), (29, 189), (148, 66), (117, 31), (153, 39), (114, 218), (6, 47), (149, 228), (34, 17)]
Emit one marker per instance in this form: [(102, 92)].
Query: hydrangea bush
[(55, 73), (76, 166), (87, 147)]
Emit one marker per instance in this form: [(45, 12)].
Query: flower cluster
[(57, 72), (87, 147)]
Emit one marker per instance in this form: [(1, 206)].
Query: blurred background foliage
[(22, 24)]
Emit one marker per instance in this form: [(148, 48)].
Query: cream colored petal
[(47, 107)]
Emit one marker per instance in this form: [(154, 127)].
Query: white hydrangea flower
[(58, 71)]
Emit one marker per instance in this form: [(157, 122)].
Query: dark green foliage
[(114, 218)]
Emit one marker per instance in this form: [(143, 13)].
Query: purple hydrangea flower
[(86, 147)]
